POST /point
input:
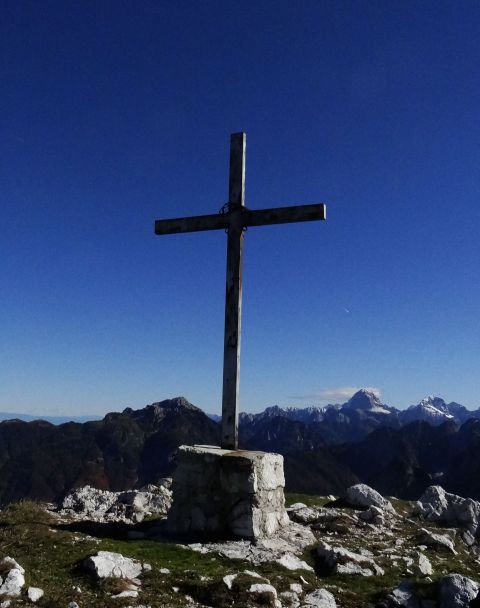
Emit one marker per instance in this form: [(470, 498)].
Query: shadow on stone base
[(227, 494)]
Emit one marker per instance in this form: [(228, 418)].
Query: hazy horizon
[(292, 402)]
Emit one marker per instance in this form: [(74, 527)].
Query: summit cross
[(234, 218)]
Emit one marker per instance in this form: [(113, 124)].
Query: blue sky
[(115, 114)]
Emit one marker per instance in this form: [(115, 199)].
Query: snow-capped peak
[(432, 408), (366, 400)]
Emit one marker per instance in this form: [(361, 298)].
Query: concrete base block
[(227, 494)]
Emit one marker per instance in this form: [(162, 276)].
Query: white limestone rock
[(422, 565), (457, 591), (9, 563), (13, 580), (260, 590), (288, 542), (35, 593), (107, 564), (292, 562), (302, 514), (228, 580), (127, 593), (255, 575), (403, 596), (437, 505), (320, 598), (343, 561), (131, 506), (361, 495), (376, 516), (432, 539)]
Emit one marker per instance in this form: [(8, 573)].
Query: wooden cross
[(234, 219)]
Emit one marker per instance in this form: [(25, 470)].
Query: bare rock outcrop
[(440, 506), (320, 598), (106, 564), (131, 506), (457, 591), (363, 496), (12, 579), (340, 560)]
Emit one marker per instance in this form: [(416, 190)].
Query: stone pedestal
[(227, 494)]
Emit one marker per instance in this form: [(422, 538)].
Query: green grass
[(52, 560), (308, 499)]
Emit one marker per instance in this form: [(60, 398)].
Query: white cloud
[(335, 395)]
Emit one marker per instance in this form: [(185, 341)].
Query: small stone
[(254, 574), (262, 589), (343, 561), (320, 598), (431, 539), (303, 514), (126, 593), (8, 563), (457, 591), (292, 562), (106, 564), (404, 596), (423, 567), (468, 538), (13, 583), (296, 588), (228, 580), (34, 594), (373, 514), (361, 495)]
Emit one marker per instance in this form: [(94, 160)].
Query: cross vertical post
[(234, 218), (233, 297)]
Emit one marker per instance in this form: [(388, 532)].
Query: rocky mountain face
[(360, 415), (398, 452), (124, 450), (435, 411)]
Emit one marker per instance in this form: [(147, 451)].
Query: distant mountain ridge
[(123, 450), (361, 414), (53, 419), (325, 449)]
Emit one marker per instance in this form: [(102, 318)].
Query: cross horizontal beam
[(242, 218)]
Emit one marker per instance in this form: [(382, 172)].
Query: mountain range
[(325, 449), (361, 414), (52, 419)]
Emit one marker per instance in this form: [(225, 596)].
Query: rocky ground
[(105, 549)]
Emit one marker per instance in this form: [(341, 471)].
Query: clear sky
[(117, 113)]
